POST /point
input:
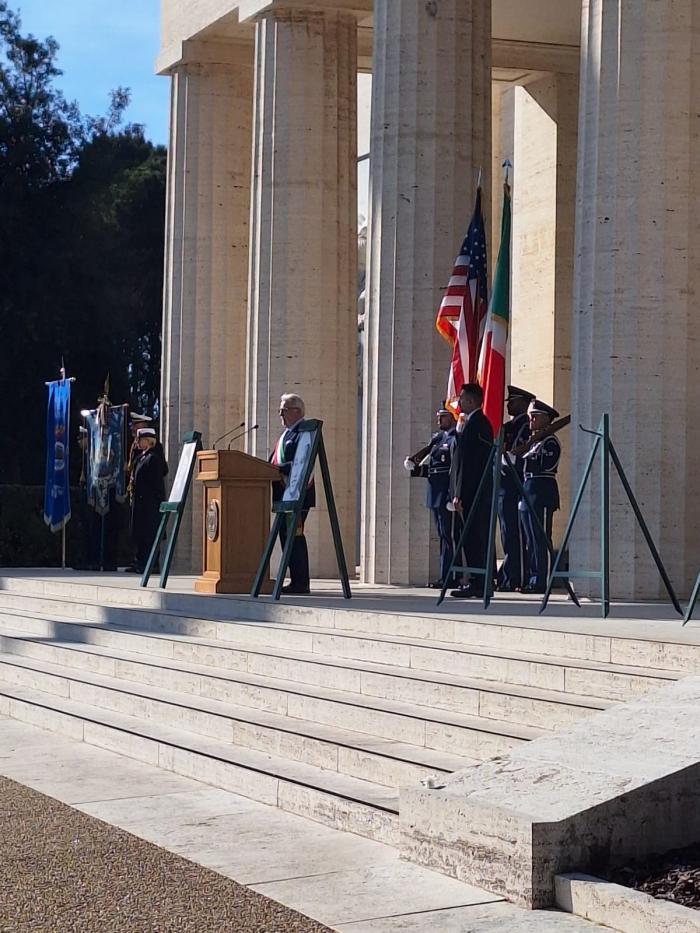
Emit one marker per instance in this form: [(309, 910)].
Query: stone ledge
[(622, 783), (621, 908)]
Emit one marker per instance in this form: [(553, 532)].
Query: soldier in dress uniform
[(516, 431), (137, 420), (438, 454), (291, 413), (542, 491)]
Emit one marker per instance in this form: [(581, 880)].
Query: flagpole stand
[(495, 462), (693, 599), (604, 447), (63, 547)]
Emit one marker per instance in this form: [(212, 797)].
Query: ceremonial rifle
[(540, 435)]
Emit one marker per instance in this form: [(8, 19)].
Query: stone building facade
[(596, 103)]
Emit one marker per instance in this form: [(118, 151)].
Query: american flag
[(462, 312)]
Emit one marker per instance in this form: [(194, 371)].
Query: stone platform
[(320, 706)]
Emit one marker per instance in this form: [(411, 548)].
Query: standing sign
[(289, 507), (175, 505)]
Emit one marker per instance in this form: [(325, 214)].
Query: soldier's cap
[(515, 392), (146, 432), (137, 416), (444, 410), (536, 407)]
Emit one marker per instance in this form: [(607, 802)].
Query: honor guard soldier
[(291, 413), (437, 456), (542, 491), (516, 432)]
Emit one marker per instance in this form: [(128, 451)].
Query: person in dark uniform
[(542, 491), (148, 492), (438, 454), (137, 420), (515, 432), (471, 452), (291, 413)]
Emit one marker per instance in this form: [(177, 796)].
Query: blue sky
[(104, 44)]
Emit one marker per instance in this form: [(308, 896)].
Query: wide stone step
[(327, 797), (529, 706), (662, 647), (340, 658), (380, 760), (212, 709)]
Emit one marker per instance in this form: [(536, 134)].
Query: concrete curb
[(621, 908)]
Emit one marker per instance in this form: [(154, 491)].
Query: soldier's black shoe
[(467, 592), (435, 585), (290, 590), (539, 590)]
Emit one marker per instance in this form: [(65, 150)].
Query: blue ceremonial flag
[(57, 485), (106, 453)]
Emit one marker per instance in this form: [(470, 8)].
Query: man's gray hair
[(293, 401)]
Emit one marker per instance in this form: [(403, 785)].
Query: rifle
[(540, 435)]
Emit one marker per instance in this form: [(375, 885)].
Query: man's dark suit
[(469, 459)]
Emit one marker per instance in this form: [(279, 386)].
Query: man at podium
[(291, 413)]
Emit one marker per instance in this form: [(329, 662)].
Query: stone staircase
[(321, 711)]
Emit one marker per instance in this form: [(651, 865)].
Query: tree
[(82, 207)]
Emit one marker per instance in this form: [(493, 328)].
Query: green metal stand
[(495, 463), (289, 511), (167, 510), (604, 447), (693, 599)]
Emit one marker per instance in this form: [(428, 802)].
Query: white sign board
[(179, 490)]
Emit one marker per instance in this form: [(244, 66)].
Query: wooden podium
[(237, 503)]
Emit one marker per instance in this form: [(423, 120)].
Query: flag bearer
[(542, 491), (516, 431)]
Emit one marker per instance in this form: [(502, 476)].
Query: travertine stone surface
[(637, 269), (206, 260), (624, 781), (302, 320), (544, 118), (431, 131)]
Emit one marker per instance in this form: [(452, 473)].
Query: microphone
[(242, 434), (226, 434)]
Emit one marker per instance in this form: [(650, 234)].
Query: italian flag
[(492, 360)]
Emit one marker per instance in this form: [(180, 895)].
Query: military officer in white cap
[(542, 491)]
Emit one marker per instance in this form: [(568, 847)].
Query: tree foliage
[(82, 206)]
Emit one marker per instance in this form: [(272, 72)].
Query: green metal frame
[(289, 511), (604, 446), (495, 463), (167, 510), (693, 599)]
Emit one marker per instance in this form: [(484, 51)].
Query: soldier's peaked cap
[(515, 392), (146, 432), (537, 407), (444, 410), (137, 416)]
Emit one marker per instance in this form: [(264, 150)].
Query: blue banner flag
[(57, 485), (106, 475)]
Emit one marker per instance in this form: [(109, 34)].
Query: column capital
[(205, 52), (252, 9)]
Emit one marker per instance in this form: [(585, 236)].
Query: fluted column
[(302, 324), (637, 275), (431, 132), (206, 258)]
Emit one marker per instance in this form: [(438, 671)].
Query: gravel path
[(65, 872)]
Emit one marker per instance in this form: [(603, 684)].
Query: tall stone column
[(637, 277), (543, 118), (302, 322), (206, 257), (431, 132)]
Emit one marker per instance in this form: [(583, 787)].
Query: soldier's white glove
[(409, 465)]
